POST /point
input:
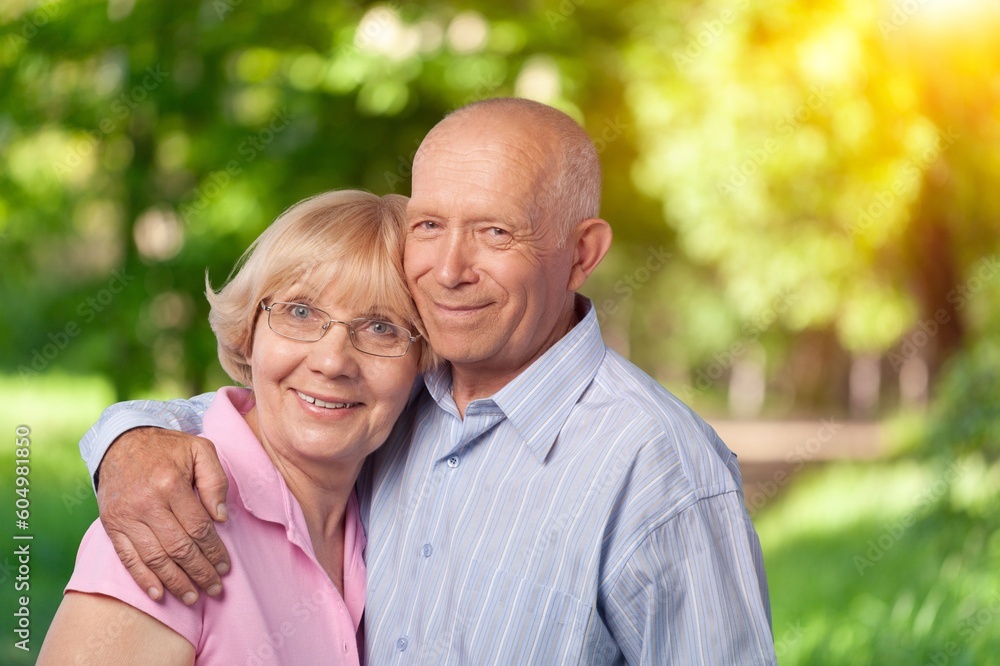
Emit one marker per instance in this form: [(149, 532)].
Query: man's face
[(485, 268)]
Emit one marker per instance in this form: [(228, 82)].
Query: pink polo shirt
[(278, 606)]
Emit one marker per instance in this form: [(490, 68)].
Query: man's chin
[(456, 350)]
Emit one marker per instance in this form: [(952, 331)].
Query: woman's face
[(325, 401)]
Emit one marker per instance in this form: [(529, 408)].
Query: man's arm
[(116, 420), (145, 476), (694, 591)]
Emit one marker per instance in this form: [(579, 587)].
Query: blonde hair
[(350, 238)]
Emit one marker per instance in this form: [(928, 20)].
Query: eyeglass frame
[(349, 324)]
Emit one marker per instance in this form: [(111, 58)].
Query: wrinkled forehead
[(477, 177), (484, 144)]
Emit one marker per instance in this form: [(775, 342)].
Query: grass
[(877, 563), (57, 410), (873, 564)]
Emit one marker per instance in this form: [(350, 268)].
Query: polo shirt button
[(453, 462), (426, 550), (401, 644)]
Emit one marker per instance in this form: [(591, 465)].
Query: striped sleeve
[(690, 592), (182, 415)]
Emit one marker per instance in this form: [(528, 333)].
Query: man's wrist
[(97, 471)]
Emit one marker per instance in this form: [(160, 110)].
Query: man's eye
[(497, 231)]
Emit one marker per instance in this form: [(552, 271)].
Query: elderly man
[(542, 500)]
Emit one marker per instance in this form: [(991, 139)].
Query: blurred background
[(807, 250)]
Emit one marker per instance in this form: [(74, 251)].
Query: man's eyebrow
[(378, 313), (411, 214)]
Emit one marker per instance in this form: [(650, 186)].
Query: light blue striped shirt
[(581, 515)]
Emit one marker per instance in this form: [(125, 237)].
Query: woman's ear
[(591, 241)]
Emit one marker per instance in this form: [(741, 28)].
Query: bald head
[(568, 187)]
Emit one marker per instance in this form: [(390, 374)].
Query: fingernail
[(222, 568), (223, 512), (214, 590), (154, 593), (189, 598)]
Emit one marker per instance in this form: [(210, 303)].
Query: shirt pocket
[(504, 618)]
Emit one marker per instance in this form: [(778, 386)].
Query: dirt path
[(773, 453)]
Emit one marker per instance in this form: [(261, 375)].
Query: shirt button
[(453, 462), (426, 550), (401, 644)]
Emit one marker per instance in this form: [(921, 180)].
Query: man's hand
[(162, 531)]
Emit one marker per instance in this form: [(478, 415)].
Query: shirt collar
[(262, 490), (263, 493), (538, 401)]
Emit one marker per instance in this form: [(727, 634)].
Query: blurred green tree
[(143, 143), (823, 170), (839, 154)]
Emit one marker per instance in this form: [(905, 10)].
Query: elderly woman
[(318, 323)]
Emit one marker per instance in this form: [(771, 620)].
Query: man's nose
[(456, 260)]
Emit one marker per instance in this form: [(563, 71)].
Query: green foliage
[(57, 410), (832, 151), (810, 157), (927, 583), (868, 565), (142, 144), (966, 417)]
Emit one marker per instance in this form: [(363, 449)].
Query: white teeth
[(321, 403)]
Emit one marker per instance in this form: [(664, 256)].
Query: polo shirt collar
[(538, 401), (260, 485)]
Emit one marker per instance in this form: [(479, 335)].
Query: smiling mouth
[(460, 308), (326, 405)]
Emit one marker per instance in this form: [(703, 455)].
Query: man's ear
[(592, 239)]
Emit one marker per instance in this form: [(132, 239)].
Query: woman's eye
[(379, 327), (301, 312)]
